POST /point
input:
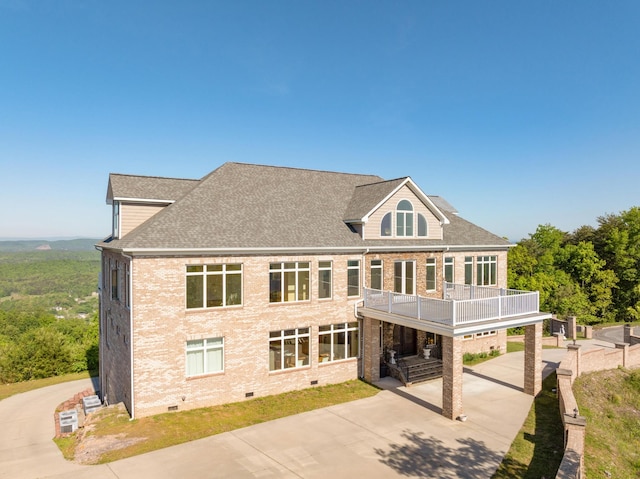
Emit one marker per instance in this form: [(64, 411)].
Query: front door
[(404, 341)]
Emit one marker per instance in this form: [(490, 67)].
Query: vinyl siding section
[(372, 227), (133, 215)]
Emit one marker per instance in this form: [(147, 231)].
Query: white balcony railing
[(464, 304)]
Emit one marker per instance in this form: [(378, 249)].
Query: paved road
[(398, 433), (614, 334)]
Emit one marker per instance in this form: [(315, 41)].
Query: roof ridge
[(154, 177), (297, 168)]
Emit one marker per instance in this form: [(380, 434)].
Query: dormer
[(395, 210), (135, 199)]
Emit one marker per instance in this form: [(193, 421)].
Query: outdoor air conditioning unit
[(68, 421), (91, 404)]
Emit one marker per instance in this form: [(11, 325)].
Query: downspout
[(130, 286), (355, 310), (101, 318)]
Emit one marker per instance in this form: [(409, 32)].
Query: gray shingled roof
[(366, 197), (240, 206), (147, 187)]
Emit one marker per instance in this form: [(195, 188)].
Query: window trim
[(205, 273), (377, 267), (487, 266), (406, 229), (352, 267), (431, 265), (296, 337), (334, 329), (449, 263), (403, 276), (296, 270), (325, 268), (205, 349)]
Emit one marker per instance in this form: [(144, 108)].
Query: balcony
[(465, 309)]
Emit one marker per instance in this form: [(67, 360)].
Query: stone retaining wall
[(72, 403), (572, 366)]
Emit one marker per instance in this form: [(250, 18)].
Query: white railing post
[(389, 302), (418, 305), (453, 313)]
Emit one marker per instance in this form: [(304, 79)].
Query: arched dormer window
[(385, 225), (422, 225), (404, 218)]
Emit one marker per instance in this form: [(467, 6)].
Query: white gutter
[(303, 250)]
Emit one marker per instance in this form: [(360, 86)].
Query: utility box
[(91, 404), (68, 421)]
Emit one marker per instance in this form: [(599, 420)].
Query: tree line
[(592, 273), (48, 314)]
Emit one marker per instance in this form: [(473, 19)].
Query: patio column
[(451, 377), (371, 353), (533, 359)]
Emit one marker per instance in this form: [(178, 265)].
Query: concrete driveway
[(397, 433)]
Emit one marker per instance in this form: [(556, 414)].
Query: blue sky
[(518, 113)]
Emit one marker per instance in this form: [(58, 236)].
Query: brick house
[(256, 280)]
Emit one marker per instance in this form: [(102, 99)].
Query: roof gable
[(369, 198), (148, 189)]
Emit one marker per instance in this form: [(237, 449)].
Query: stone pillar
[(628, 332), (451, 377), (588, 332), (533, 359), (371, 353), (625, 353), (577, 358), (572, 329)]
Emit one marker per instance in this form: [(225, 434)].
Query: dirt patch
[(90, 448)]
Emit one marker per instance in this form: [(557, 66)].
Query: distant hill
[(81, 244)]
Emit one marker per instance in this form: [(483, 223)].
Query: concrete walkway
[(397, 433)]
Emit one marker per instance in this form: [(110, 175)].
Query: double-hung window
[(288, 349), (431, 274), (324, 279), (376, 274), (468, 270), (115, 282), (289, 282), (214, 285), (338, 341), (205, 356), (486, 267), (353, 277), (449, 270)]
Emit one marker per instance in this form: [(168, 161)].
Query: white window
[(116, 219), (289, 282), (288, 349), (205, 356), (486, 267), (115, 281), (385, 225), (468, 270), (431, 274), (376, 274), (449, 270), (338, 341), (404, 277), (404, 218), (213, 285), (324, 279), (353, 277)]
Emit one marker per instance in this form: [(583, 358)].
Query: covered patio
[(466, 309)]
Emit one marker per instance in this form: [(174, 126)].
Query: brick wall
[(163, 325)]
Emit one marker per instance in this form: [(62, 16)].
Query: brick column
[(625, 353), (577, 358), (572, 328), (371, 353), (451, 377), (533, 359)]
